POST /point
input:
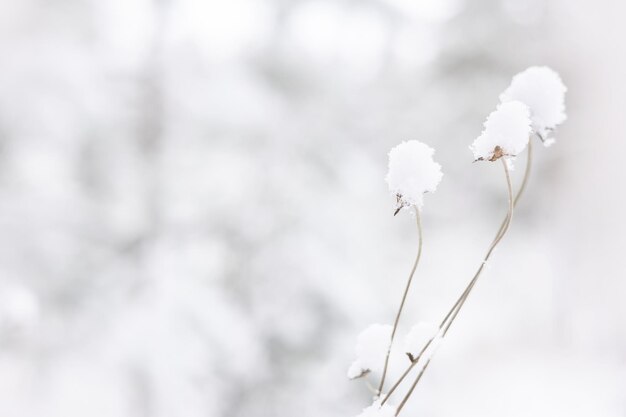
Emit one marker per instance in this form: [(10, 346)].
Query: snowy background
[(194, 219)]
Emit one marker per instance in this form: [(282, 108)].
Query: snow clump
[(543, 91), (418, 336), (412, 172), (506, 132), (371, 348)]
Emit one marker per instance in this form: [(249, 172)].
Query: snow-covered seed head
[(412, 172), (376, 410), (542, 90), (371, 348), (506, 132), (418, 337)]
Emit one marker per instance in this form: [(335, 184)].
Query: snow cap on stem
[(376, 410), (506, 132), (371, 348), (542, 90), (418, 336), (412, 172)]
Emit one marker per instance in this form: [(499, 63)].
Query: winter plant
[(531, 107)]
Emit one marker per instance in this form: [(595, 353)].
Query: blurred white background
[(194, 219)]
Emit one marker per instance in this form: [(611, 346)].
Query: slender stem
[(471, 284), (491, 248), (406, 372), (501, 230), (505, 221), (406, 291), (522, 187), (457, 308), (408, 395), (529, 163), (370, 386)]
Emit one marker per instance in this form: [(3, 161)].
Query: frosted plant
[(378, 410), (418, 337), (506, 132), (371, 347), (543, 91), (412, 172)]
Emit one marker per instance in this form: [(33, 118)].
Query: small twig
[(406, 291)]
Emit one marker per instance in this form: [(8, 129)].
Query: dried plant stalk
[(453, 312), (466, 293), (404, 295)]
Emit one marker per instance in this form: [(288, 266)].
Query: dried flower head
[(506, 132), (412, 172), (542, 90)]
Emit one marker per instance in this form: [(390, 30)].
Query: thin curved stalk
[(505, 224), (501, 230), (472, 282), (455, 310), (522, 187), (491, 248), (406, 292)]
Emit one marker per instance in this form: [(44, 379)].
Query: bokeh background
[(194, 219)]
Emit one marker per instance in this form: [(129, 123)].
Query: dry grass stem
[(404, 295)]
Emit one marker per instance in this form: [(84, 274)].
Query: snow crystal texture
[(507, 129), (371, 349), (543, 91), (412, 172), (418, 336)]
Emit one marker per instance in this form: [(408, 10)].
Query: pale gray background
[(194, 219)]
